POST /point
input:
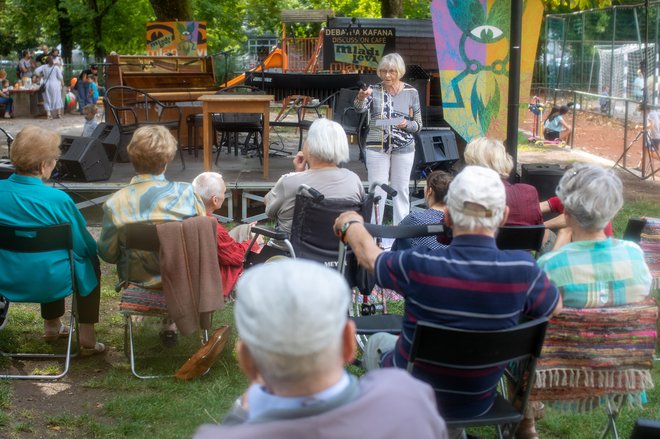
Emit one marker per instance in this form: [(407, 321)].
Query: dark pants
[(551, 135), (88, 306)]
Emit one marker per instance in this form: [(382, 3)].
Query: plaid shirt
[(592, 274), (150, 199)]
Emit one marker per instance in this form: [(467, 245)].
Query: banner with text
[(357, 46)]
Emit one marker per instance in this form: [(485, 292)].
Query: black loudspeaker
[(435, 149), (6, 169), (544, 177), (83, 159), (109, 137)]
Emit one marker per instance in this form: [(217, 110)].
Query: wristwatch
[(344, 229)]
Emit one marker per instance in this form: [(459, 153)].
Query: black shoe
[(168, 338)]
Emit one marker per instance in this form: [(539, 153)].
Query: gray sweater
[(385, 404)]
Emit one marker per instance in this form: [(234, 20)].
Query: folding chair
[(21, 240), (598, 357), (520, 237), (141, 245), (468, 350)]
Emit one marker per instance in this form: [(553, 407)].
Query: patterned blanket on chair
[(596, 353), (650, 243)]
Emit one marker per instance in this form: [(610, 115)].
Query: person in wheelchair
[(471, 284), (293, 347), (437, 184), (26, 201), (316, 166)]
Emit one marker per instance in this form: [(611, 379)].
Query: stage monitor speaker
[(435, 149), (109, 137), (83, 159), (544, 177), (6, 169)]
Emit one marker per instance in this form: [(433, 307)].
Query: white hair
[(326, 141), (483, 191), (290, 315), (209, 184), (591, 195), (392, 60)]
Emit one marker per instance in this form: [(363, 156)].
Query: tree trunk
[(65, 30), (170, 10), (391, 8)]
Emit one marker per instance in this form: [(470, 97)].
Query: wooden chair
[(24, 240)]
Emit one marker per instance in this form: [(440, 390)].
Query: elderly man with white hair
[(317, 166), (232, 245), (471, 284), (293, 346)]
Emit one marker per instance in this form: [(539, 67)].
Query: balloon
[(70, 101), (74, 80)]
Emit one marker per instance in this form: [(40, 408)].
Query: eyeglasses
[(390, 71)]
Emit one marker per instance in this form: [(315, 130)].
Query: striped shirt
[(151, 199), (470, 285), (592, 274)]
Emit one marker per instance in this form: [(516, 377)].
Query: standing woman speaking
[(52, 78), (395, 116)]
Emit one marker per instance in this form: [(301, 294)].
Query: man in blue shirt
[(470, 285)]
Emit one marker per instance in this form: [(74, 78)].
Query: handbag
[(42, 87)]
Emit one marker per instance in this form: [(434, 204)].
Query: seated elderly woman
[(149, 197), (437, 184), (317, 166), (27, 201), (594, 270), (521, 199)]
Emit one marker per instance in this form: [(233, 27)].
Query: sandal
[(98, 348), (63, 332), (168, 338)]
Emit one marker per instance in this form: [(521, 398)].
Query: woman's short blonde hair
[(392, 60), (151, 149), (489, 153), (32, 147)]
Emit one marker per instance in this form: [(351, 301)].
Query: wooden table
[(26, 102), (234, 103)]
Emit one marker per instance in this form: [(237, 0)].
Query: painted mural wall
[(472, 46), (176, 38)]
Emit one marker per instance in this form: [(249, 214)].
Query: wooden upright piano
[(170, 79)]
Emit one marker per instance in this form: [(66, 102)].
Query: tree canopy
[(100, 26)]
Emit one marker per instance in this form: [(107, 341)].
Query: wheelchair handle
[(387, 188), (316, 195), (404, 232)]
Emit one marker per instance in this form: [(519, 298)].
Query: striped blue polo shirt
[(469, 285)]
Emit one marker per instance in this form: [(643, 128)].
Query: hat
[(477, 191), (292, 307)]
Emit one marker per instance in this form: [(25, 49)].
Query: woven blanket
[(595, 353), (138, 300), (650, 243)]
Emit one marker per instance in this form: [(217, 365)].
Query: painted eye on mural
[(486, 33)]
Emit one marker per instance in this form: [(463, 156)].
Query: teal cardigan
[(27, 201)]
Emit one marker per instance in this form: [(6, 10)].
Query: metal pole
[(514, 83), (612, 58), (584, 27), (645, 145), (625, 133), (563, 50)]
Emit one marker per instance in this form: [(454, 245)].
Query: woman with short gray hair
[(395, 115), (594, 270)]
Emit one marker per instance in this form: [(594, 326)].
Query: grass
[(165, 408)]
